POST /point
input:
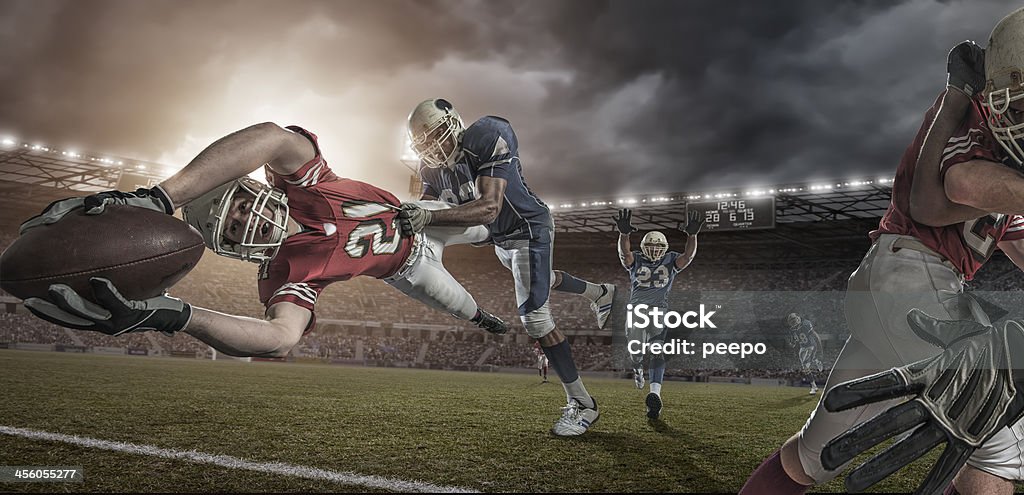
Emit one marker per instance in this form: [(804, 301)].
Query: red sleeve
[(972, 141), (309, 174), (1015, 229), (283, 282)]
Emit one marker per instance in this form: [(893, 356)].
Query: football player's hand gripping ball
[(965, 68), (153, 199), (694, 222), (114, 314), (413, 219), (624, 221), (960, 397)]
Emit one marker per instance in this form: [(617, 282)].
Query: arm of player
[(928, 202), (1013, 250), (688, 253), (236, 155), (987, 186), (625, 251), (116, 314), (694, 222), (241, 336), (229, 158), (480, 211)]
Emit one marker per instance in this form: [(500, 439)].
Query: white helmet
[(209, 212), (435, 131), (792, 320), (1004, 76), (654, 245)]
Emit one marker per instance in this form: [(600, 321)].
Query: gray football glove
[(114, 314), (413, 219), (153, 199), (965, 68), (624, 221), (960, 397)]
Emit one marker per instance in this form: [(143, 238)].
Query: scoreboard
[(736, 214)]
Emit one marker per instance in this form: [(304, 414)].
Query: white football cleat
[(638, 378), (814, 388), (603, 306), (576, 419)]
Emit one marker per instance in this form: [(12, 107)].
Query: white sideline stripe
[(236, 463)]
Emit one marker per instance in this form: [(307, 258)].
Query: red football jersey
[(350, 228), (968, 245)]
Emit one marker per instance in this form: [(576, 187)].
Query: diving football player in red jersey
[(308, 228)]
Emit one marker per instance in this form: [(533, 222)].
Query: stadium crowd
[(764, 296)]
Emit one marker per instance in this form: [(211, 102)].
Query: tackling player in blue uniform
[(652, 270), (477, 168), (803, 336)]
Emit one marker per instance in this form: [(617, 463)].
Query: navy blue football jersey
[(490, 148), (651, 281), (804, 335)]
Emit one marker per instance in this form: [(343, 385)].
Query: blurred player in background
[(307, 229), (652, 270), (956, 197), (803, 337), (542, 362), (477, 168)]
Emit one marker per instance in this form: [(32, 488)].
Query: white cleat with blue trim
[(576, 419), (603, 305)]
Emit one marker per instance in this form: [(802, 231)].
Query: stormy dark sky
[(606, 97)]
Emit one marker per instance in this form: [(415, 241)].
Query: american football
[(142, 252)]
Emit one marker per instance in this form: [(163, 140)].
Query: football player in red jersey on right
[(958, 195), (307, 229)]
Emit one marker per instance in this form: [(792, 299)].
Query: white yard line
[(236, 463)]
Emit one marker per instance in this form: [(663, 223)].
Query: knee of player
[(538, 323)]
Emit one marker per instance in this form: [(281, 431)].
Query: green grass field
[(479, 431)]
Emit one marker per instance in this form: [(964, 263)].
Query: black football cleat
[(491, 323), (653, 405)]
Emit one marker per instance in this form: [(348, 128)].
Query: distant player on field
[(652, 270), (542, 362), (803, 337)]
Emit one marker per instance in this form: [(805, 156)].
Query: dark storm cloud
[(606, 97)]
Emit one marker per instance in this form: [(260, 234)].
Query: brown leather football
[(143, 252)]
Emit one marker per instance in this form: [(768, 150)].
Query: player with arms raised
[(808, 344), (478, 169), (307, 229), (956, 198), (652, 270)]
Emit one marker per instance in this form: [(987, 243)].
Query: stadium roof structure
[(42, 165), (794, 203)]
